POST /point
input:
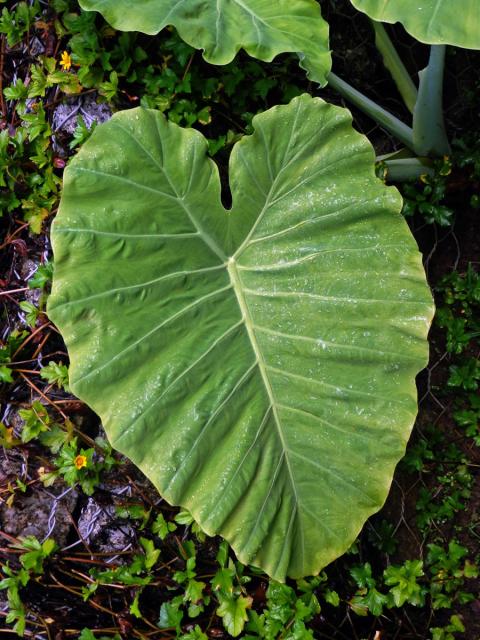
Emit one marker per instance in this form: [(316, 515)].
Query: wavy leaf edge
[(195, 509), (458, 28), (317, 65)]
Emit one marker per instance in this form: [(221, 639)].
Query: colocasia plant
[(256, 362)]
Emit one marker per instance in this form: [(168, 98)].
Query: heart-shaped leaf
[(221, 27), (257, 364), (431, 21)]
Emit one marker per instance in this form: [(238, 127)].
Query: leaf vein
[(334, 345), (297, 376), (174, 316), (180, 376), (315, 296), (210, 420), (169, 276), (237, 470), (332, 473)]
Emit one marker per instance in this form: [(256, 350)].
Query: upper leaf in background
[(264, 28), (257, 364), (455, 22)]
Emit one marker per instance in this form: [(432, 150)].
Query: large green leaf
[(454, 22), (257, 364), (264, 28)]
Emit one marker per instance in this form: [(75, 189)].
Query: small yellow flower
[(80, 462), (66, 61)]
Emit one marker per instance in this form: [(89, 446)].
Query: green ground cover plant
[(265, 30), (220, 29), (122, 563)]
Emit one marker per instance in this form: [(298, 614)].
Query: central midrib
[(248, 321)]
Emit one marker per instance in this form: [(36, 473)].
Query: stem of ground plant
[(394, 64), (429, 134), (385, 119), (404, 169)]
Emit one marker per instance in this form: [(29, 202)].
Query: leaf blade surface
[(430, 21), (222, 27), (257, 364)]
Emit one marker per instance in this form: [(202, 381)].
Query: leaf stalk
[(429, 135), (384, 118), (394, 64)]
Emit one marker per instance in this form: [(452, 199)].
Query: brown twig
[(8, 293), (10, 237), (30, 337), (189, 64), (41, 345), (46, 398)]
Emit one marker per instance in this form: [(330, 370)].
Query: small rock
[(11, 464), (93, 519), (66, 114), (27, 268), (99, 526), (40, 513)]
